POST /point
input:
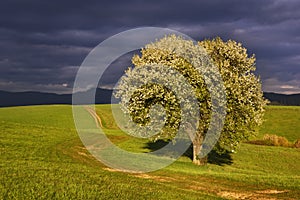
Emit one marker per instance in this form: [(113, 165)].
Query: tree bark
[(196, 150), (197, 143)]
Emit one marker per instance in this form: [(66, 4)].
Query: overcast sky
[(43, 43)]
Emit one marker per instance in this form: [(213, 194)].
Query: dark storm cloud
[(43, 43)]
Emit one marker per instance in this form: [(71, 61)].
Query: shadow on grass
[(213, 156), (154, 146), (220, 159)]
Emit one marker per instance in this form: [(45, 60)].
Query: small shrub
[(297, 144), (270, 140), (283, 142), (274, 140)]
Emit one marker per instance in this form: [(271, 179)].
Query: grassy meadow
[(42, 157), (282, 121)]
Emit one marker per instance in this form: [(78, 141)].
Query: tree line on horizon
[(103, 96)]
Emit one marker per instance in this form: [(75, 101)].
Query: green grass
[(42, 157), (282, 121)]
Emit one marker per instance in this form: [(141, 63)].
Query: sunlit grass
[(282, 121), (42, 157)]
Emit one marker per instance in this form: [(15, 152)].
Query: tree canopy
[(244, 98)]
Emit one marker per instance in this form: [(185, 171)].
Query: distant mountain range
[(103, 96), (283, 99)]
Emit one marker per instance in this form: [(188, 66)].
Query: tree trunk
[(196, 151), (197, 143)]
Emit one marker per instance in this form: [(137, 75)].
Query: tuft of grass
[(274, 140), (297, 144)]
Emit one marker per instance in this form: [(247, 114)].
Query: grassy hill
[(42, 157), (283, 99), (103, 96), (282, 121)]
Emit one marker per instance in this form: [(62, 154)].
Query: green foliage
[(245, 102), (153, 95)]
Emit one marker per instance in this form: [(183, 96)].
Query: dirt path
[(95, 116)]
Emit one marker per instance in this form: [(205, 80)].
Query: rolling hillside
[(42, 157), (103, 96), (283, 99)]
